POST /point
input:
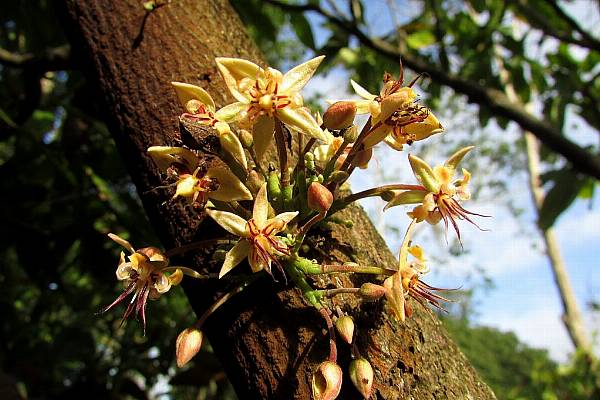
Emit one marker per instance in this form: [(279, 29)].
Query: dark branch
[(542, 23), (494, 99), (51, 59)]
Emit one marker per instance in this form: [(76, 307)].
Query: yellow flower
[(144, 274), (440, 193), (259, 241), (195, 183), (265, 94), (200, 108), (396, 117), (405, 282)]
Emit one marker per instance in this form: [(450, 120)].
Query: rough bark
[(268, 339)]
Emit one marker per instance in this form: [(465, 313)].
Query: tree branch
[(494, 99), (51, 59), (541, 22)]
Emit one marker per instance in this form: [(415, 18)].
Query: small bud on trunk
[(188, 344), (371, 292), (319, 197), (361, 375), (327, 381), (345, 327)]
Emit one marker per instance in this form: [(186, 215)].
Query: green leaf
[(303, 30), (420, 39), (567, 185)]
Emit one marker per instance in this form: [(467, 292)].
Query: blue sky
[(525, 299)]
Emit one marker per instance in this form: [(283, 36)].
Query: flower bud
[(371, 292), (339, 115), (345, 327), (187, 345), (361, 375), (327, 381), (246, 138), (319, 197), (351, 134)]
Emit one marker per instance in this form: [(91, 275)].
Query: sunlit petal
[(232, 223), (361, 91), (235, 256), (124, 243), (230, 187), (230, 112), (262, 133), (406, 197), (301, 120), (186, 92), (424, 173), (260, 212), (295, 79)]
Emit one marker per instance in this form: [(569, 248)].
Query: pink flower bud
[(345, 327), (327, 381), (188, 344), (339, 115), (319, 197), (361, 375)]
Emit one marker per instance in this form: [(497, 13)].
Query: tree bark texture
[(268, 338)]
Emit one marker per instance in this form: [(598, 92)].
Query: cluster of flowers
[(270, 210)]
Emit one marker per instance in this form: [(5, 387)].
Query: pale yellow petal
[(231, 112), (377, 135), (260, 212), (230, 187), (164, 156), (286, 216), (124, 243), (301, 120), (394, 294), (186, 92), (185, 270), (361, 91), (162, 283), (235, 69), (176, 277), (295, 79), (231, 144), (232, 223), (406, 197), (235, 256), (424, 173), (457, 157), (262, 134), (422, 130)]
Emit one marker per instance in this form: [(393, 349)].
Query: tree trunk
[(268, 339)]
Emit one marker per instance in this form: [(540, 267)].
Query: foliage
[(516, 371)]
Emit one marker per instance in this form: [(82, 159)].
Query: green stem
[(311, 268), (335, 292), (377, 191)]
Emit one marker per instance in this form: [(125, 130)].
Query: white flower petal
[(262, 134), (124, 243), (231, 143), (295, 79), (164, 156), (286, 216), (231, 112), (361, 91), (230, 187), (260, 212), (186, 92), (235, 256), (232, 223), (301, 120), (235, 69)]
